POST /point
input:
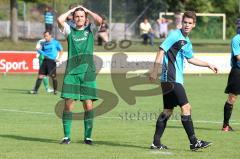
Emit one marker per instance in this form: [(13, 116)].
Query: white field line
[(105, 117), (161, 152), (27, 112)]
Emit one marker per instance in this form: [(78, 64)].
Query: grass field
[(30, 129)]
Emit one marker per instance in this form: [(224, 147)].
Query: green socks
[(45, 82), (88, 123), (67, 123)]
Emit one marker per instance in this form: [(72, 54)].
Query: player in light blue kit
[(233, 85), (175, 48), (49, 48)]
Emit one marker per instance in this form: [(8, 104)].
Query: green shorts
[(80, 86)]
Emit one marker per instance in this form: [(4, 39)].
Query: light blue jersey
[(48, 18), (235, 50), (177, 47), (49, 49)]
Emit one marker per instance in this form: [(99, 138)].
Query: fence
[(34, 30), (31, 21)]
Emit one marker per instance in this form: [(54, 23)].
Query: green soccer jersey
[(80, 50)]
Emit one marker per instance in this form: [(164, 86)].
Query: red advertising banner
[(18, 62)]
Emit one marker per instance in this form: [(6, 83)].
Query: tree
[(14, 20), (232, 13), (199, 6)]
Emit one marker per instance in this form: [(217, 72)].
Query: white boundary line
[(161, 152), (27, 112), (52, 114)]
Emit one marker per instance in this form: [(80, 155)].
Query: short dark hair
[(79, 9), (190, 14), (47, 31)]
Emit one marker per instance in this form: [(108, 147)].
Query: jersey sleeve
[(66, 29), (59, 46), (169, 41), (235, 47), (38, 46)]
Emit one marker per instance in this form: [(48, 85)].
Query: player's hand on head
[(85, 9), (79, 6), (73, 9)]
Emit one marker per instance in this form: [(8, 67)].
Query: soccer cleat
[(49, 90), (199, 145), (88, 141), (55, 92), (161, 147), (65, 140), (33, 92), (227, 127)]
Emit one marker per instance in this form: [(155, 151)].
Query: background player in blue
[(233, 85), (175, 48), (49, 48)]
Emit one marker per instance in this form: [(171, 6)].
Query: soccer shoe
[(33, 92), (55, 92), (88, 141), (65, 140), (49, 90), (199, 145), (161, 147), (227, 127)]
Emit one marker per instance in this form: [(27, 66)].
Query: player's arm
[(157, 64), (238, 57), (60, 51), (97, 19), (62, 18), (39, 48), (238, 60), (164, 47), (41, 52), (201, 63)]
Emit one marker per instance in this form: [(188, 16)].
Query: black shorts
[(48, 67), (174, 97), (233, 85)]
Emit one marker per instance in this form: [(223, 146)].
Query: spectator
[(163, 27), (151, 36), (146, 32), (102, 35), (48, 19), (178, 20)]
